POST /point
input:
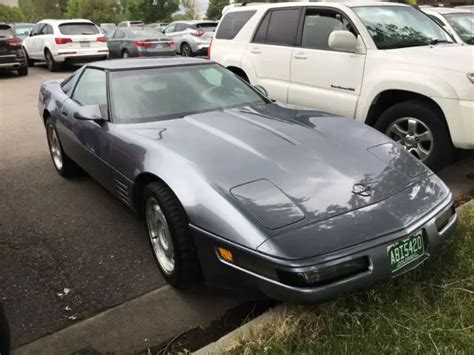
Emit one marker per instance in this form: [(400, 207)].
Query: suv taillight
[(14, 42), (171, 43), (62, 40), (102, 39), (209, 49), (197, 33)]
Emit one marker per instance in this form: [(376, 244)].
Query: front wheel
[(29, 61), (170, 237), (63, 164), (125, 54), (420, 129)]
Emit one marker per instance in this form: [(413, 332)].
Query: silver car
[(191, 37)]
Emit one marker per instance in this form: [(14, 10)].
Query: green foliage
[(36, 10), (11, 14), (73, 9), (99, 11), (190, 12), (132, 10), (214, 11), (159, 10)]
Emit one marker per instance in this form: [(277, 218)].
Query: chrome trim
[(9, 65), (452, 221)]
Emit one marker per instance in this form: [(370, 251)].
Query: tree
[(11, 14), (214, 11), (73, 9), (154, 10), (36, 10), (190, 12), (132, 10), (99, 11)]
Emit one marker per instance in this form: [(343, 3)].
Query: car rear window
[(79, 28), (6, 31), (145, 32), (232, 23), (207, 27)]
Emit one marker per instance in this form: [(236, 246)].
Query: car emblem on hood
[(362, 190)]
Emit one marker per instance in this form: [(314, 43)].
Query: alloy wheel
[(414, 135), (55, 148), (160, 235)]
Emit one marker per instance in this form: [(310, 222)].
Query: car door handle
[(255, 51), (300, 56)]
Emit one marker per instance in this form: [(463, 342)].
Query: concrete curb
[(135, 325), (220, 346)]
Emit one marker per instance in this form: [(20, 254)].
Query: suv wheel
[(420, 129), (125, 54), (50, 62), (186, 50)]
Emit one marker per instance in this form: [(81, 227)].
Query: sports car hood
[(287, 168)]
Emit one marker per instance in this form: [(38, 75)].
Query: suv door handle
[(255, 51), (300, 56)]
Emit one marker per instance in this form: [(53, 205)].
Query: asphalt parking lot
[(68, 249), (58, 237)]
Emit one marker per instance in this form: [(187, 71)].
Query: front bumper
[(460, 119), (257, 271)]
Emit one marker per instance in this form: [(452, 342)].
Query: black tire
[(186, 50), (23, 71), (68, 167), (187, 270), (125, 54), (441, 148), (52, 65), (29, 61)]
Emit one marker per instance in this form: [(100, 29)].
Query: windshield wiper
[(438, 41)]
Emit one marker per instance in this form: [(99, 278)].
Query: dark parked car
[(12, 55), (299, 204), (129, 42)]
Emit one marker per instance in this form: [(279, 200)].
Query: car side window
[(91, 88), (119, 34), (319, 24), (35, 30), (282, 27), (46, 30), (180, 27), (68, 84), (261, 33), (170, 28)]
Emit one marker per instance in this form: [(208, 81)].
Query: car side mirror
[(261, 90), (343, 41), (90, 113)]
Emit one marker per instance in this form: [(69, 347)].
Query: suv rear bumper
[(11, 61), (80, 55)]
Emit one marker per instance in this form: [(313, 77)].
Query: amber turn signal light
[(225, 254)]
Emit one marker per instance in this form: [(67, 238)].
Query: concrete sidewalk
[(135, 325)]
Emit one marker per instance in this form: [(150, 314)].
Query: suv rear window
[(232, 23), (6, 31), (79, 28), (207, 27)]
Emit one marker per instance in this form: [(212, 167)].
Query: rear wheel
[(125, 54), (23, 71), (186, 50), (50, 61), (31, 62), (63, 164), (170, 237), (420, 129)]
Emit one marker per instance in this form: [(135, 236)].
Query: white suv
[(388, 65), (59, 41)]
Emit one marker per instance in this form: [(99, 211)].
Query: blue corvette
[(239, 191)]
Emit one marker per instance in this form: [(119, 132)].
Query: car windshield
[(145, 32), (79, 28), (172, 92), (463, 24), (400, 26), (23, 30)]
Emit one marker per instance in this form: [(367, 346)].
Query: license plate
[(405, 251), (85, 44)]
